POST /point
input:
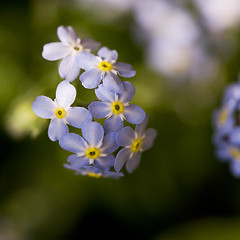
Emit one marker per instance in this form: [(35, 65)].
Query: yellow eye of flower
[(76, 48), (60, 113), (105, 66), (92, 153), (222, 118), (136, 145), (234, 152), (117, 107), (95, 175)]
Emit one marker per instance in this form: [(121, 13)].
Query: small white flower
[(60, 112), (67, 50)]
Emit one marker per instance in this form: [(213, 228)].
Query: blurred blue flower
[(115, 107), (67, 50), (60, 112), (133, 143), (103, 68)]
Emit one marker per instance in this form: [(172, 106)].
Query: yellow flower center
[(117, 107), (76, 48), (92, 153), (136, 145), (105, 66), (95, 175), (222, 118), (60, 112), (234, 152)]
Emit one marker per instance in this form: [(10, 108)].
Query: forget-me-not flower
[(133, 143), (115, 107), (60, 111), (67, 50), (103, 68), (93, 148)]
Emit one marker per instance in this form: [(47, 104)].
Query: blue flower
[(92, 171), (93, 148), (103, 68), (115, 107), (67, 50), (60, 112), (133, 143)]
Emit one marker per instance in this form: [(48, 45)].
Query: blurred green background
[(179, 191)]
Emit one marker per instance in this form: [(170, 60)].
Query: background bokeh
[(185, 53)]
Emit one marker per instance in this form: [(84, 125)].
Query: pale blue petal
[(67, 34), (73, 143), (93, 133), (55, 51), (128, 92), (57, 129), (109, 143), (91, 78), (133, 162), (99, 109), (113, 124), (76, 116), (111, 174), (104, 162), (150, 135), (140, 128), (104, 94), (122, 156), (77, 162), (86, 60), (125, 137), (65, 94), (68, 68), (235, 168), (108, 55), (124, 69), (89, 43), (43, 107), (134, 114), (112, 82)]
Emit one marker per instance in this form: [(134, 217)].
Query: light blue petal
[(122, 156), (125, 137), (89, 43), (112, 82), (124, 69), (104, 94), (55, 51), (67, 34), (73, 143), (128, 92), (111, 174), (76, 116), (134, 114), (91, 78), (133, 162), (104, 162), (109, 143), (43, 107), (150, 135), (140, 128), (57, 129), (235, 168), (113, 124), (77, 162), (65, 94), (108, 55), (86, 60), (99, 109), (68, 69), (93, 133)]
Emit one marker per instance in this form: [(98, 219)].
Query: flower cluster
[(95, 151), (227, 128)]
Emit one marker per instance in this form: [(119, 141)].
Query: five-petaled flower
[(103, 68), (92, 149), (60, 112), (133, 143), (67, 50), (115, 107)]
